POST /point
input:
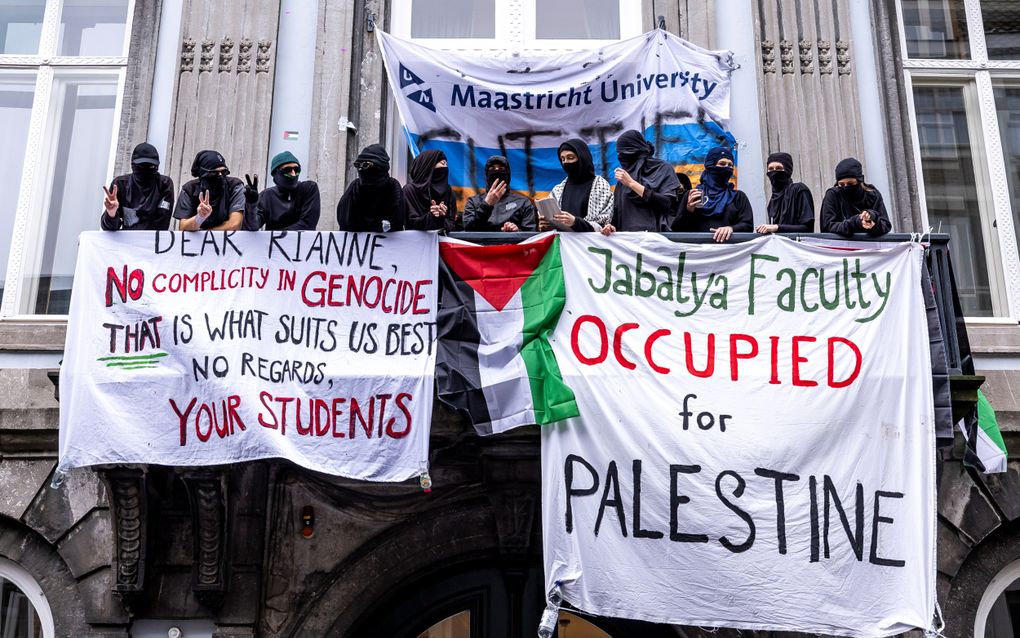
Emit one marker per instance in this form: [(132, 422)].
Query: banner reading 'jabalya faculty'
[(755, 441), (218, 347), (472, 107)]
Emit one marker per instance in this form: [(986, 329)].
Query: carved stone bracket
[(129, 509), (768, 56), (806, 57), (786, 56), (205, 59), (207, 495), (262, 56), (843, 57), (226, 54), (244, 55), (187, 55), (824, 57), (515, 516)]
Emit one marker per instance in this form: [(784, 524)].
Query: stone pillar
[(224, 89)]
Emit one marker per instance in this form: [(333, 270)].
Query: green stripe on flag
[(543, 296), (993, 454)]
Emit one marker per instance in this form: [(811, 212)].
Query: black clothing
[(364, 207), (145, 154), (206, 162), (512, 207), (840, 212), (849, 167), (737, 214), (288, 208), (783, 158), (146, 202), (655, 208), (425, 184), (580, 177), (375, 153), (792, 209), (229, 200)]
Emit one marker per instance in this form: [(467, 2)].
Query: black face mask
[(372, 176), (439, 174), (626, 159), (285, 182), (491, 177), (145, 174), (215, 183), (853, 192), (719, 175), (779, 179), (573, 169)]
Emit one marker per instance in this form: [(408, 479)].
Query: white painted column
[(167, 49), (292, 87), (876, 165)]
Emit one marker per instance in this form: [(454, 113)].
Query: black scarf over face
[(635, 155), (428, 183), (580, 177), (143, 193), (781, 209), (204, 168), (497, 167)]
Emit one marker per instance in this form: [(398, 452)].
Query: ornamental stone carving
[(768, 56), (128, 505), (226, 54), (244, 55), (843, 57), (806, 57), (187, 55), (824, 57), (262, 57), (786, 56), (205, 58), (208, 516)]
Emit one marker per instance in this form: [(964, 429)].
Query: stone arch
[(985, 561), (32, 552)]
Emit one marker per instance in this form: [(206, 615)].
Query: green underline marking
[(126, 364), (138, 365), (137, 357)]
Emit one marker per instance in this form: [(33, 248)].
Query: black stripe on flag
[(458, 381)]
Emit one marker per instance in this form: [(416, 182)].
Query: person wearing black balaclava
[(142, 200), (291, 204), (645, 196), (499, 208), (714, 205), (852, 205), (427, 195), (585, 199), (373, 202), (791, 208), (213, 200)]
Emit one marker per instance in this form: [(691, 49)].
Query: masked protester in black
[(853, 206), (142, 200), (373, 202), (645, 196), (499, 208), (585, 199), (427, 195), (213, 200), (715, 206), (791, 208), (291, 204)]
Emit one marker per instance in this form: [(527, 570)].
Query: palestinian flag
[(985, 448), (498, 305)]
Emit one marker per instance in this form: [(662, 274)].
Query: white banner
[(755, 447), (473, 106), (217, 347)]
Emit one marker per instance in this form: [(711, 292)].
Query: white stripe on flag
[(501, 369)]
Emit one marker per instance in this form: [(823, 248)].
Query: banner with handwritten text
[(755, 447), (210, 348)]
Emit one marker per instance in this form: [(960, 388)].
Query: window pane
[(20, 26), (16, 93), (578, 19), (82, 141), (1003, 620), (18, 618), (935, 29), (1007, 102), (456, 626), (92, 27), (1002, 28), (453, 19), (947, 163)]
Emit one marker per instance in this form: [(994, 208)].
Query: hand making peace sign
[(110, 201), (204, 208)]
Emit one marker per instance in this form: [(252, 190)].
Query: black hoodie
[(146, 198), (512, 207)]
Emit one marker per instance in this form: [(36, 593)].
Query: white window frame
[(515, 28), (976, 75), (28, 585), (36, 183), (1000, 582)]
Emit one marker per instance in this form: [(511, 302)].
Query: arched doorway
[(485, 599), (24, 611)]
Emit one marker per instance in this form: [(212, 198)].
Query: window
[(962, 59), (61, 79), (998, 613), (455, 626), (24, 612), (453, 19)]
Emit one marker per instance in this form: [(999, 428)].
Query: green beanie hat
[(280, 159)]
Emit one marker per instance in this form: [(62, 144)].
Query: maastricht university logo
[(423, 95)]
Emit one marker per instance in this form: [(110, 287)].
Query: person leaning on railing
[(645, 195), (499, 209), (715, 206), (142, 200), (853, 205), (213, 200), (791, 209), (585, 199)]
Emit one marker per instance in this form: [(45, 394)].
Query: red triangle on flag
[(495, 272)]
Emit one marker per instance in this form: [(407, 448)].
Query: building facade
[(925, 92)]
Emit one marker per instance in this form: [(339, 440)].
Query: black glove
[(251, 189)]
